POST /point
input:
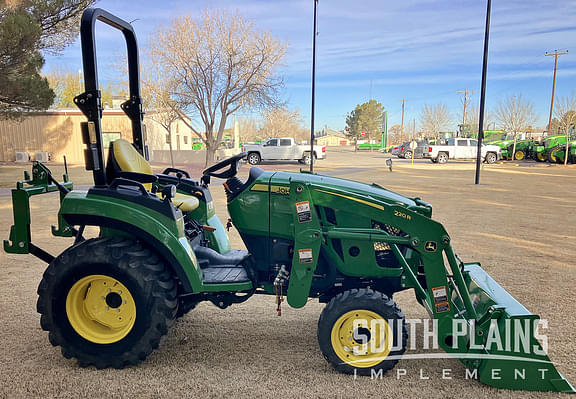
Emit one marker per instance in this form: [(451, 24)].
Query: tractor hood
[(354, 189)]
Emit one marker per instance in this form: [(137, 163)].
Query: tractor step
[(207, 257), (225, 274)]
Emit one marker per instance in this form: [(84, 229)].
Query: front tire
[(107, 302), (385, 333), (408, 155), (551, 157), (254, 158), (519, 155)]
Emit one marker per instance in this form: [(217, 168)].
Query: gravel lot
[(520, 224)]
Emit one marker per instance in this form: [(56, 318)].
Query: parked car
[(405, 150), (460, 148), (282, 148)]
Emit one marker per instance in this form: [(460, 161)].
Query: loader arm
[(473, 312)]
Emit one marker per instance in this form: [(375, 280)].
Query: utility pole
[(313, 91), (402, 125), (555, 54), (483, 91), (465, 92)]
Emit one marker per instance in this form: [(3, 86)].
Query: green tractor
[(524, 150), (543, 151), (160, 250), (559, 152), (504, 145)]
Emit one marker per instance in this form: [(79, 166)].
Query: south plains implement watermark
[(514, 336), (519, 340)]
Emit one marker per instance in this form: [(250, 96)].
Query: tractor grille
[(384, 255)]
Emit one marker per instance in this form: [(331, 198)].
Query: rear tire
[(337, 338), (408, 155), (491, 158), (254, 158), (442, 157), (306, 158), (107, 302)]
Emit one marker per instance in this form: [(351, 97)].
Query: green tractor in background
[(524, 150), (160, 250), (544, 150), (499, 138), (559, 152), (504, 145)]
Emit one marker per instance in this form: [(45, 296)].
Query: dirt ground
[(520, 224)]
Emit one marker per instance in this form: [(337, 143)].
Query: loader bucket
[(502, 344)]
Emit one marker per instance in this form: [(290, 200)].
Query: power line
[(555, 54)]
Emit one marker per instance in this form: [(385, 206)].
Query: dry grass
[(520, 224)]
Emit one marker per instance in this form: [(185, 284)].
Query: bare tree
[(515, 115), (278, 122), (67, 84), (434, 119), (220, 64), (394, 134), (249, 129), (160, 107), (566, 113), (473, 119)]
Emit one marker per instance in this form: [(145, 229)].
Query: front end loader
[(108, 300)]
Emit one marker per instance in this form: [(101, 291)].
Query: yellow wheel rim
[(519, 155), (541, 156), (359, 353), (100, 309)]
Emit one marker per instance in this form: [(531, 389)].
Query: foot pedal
[(223, 275)]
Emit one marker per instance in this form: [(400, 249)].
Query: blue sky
[(420, 50)]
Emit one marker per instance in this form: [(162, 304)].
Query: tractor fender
[(137, 221)]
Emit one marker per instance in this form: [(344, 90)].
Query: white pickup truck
[(281, 148), (459, 148)]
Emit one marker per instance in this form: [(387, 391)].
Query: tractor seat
[(125, 158)]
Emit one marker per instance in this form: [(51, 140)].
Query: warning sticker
[(443, 307), (441, 299), (303, 210), (305, 255)]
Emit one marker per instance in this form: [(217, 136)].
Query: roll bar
[(89, 102)]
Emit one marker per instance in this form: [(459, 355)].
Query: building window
[(185, 139), (108, 137)]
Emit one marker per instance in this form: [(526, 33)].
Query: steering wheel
[(228, 173)]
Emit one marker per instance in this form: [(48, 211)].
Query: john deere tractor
[(543, 151), (160, 250), (524, 150), (559, 152)]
